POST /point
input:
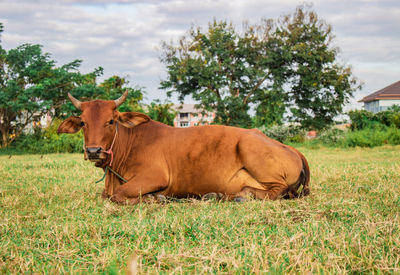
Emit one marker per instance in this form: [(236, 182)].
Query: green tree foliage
[(1, 29), (318, 85), (222, 69), (86, 88), (31, 86), (23, 71), (161, 112), (115, 86), (275, 66), (110, 89), (67, 79), (362, 119)]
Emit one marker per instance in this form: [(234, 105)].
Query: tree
[(279, 67), (22, 73), (85, 87), (115, 86), (318, 85), (223, 70), (67, 79), (161, 112), (31, 86), (1, 29)]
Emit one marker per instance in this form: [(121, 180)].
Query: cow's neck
[(125, 141)]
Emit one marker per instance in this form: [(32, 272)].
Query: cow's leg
[(273, 192), (140, 188), (243, 184), (212, 196), (104, 194), (276, 167)]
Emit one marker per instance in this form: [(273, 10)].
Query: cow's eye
[(111, 121), (82, 123)]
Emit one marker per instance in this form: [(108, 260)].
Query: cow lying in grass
[(158, 160)]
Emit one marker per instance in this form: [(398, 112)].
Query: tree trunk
[(5, 140), (5, 127)]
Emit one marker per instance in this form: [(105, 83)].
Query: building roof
[(390, 92), (186, 108)]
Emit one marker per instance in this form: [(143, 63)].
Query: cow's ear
[(71, 125), (132, 119)]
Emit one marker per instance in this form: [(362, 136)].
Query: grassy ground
[(53, 220)]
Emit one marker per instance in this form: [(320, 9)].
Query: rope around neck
[(115, 173), (109, 152)]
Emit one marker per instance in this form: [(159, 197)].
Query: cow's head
[(98, 121)]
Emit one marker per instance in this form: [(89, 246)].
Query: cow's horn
[(74, 101), (121, 100)]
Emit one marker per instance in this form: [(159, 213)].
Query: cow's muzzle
[(94, 153)]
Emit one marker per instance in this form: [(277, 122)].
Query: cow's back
[(224, 159)]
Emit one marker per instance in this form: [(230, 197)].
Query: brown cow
[(157, 159)]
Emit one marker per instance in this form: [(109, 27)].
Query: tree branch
[(214, 91), (254, 89)]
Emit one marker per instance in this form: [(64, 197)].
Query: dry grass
[(53, 220)]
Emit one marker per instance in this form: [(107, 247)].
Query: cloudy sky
[(124, 36)]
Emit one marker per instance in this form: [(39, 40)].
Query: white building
[(382, 99), (45, 121), (187, 115)]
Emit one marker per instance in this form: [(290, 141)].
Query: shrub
[(365, 138), (373, 136), (394, 136), (47, 140), (395, 119), (361, 119), (285, 133), (331, 136)]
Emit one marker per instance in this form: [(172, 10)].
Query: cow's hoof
[(210, 196), (104, 195), (161, 199), (239, 199), (148, 198), (118, 198)]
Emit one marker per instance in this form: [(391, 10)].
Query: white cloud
[(124, 36)]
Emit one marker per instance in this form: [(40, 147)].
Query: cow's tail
[(303, 181), (304, 178)]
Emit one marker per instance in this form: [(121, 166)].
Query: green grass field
[(53, 220)]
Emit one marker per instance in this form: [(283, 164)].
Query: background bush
[(376, 134), (43, 141), (361, 119), (374, 129), (371, 137), (291, 133), (366, 130), (331, 136)]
